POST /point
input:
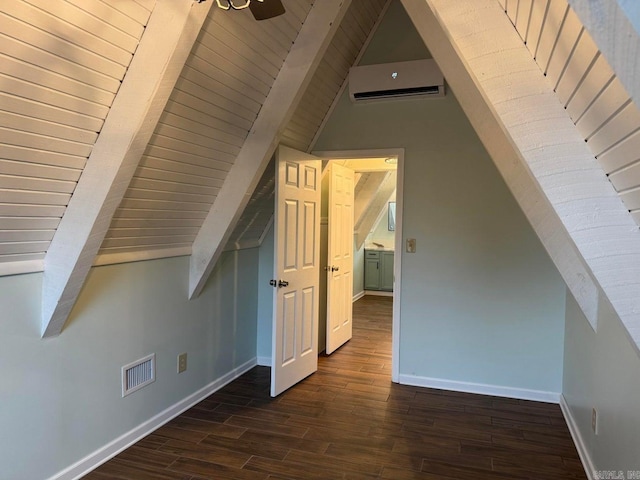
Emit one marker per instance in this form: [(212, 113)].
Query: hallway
[(348, 421)]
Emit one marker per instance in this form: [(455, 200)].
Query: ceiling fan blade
[(266, 9)]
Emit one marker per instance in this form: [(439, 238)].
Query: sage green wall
[(265, 299), (60, 398), (602, 371), (481, 302)]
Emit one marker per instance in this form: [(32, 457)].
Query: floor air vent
[(138, 374)]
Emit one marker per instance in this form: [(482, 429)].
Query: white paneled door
[(340, 257), (297, 272)]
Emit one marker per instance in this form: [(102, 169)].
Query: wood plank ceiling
[(212, 108), (587, 87), (62, 63), (222, 87)]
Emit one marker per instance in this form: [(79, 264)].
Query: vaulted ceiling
[(63, 64), (144, 128)]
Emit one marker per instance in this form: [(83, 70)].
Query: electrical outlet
[(411, 245), (182, 362), (594, 420)]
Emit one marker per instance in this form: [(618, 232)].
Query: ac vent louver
[(414, 78), (398, 92), (138, 374)]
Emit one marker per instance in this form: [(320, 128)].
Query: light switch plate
[(182, 362), (411, 245)]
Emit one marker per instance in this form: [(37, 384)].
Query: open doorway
[(366, 162), (271, 316)]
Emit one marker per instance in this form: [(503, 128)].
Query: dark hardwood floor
[(349, 422)]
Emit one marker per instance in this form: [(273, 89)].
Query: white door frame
[(399, 245)]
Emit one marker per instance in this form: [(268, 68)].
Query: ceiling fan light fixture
[(234, 4)]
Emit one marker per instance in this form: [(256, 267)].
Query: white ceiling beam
[(164, 47), (365, 194), (490, 130), (306, 53), (370, 217), (564, 193)]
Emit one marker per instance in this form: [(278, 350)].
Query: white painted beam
[(547, 165), (366, 194), (164, 47), (453, 62), (370, 217), (286, 92)]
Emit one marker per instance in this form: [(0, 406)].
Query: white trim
[(358, 296), (581, 446), (363, 153), (97, 458), (18, 268), (140, 256), (397, 264), (481, 388), (264, 361), (378, 293), (397, 270)]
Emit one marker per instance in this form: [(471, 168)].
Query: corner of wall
[(578, 440), (602, 372)]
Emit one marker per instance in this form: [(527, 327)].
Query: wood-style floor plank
[(349, 422)]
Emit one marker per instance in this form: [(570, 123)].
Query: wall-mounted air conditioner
[(393, 80)]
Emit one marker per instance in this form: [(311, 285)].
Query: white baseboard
[(97, 458), (264, 361), (379, 293), (583, 452), (358, 296), (484, 389)]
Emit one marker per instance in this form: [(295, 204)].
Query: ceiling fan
[(261, 9)]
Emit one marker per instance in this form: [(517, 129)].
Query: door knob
[(334, 269), (283, 283)]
